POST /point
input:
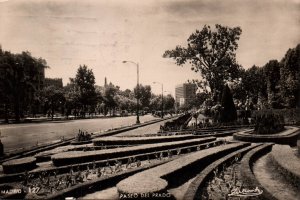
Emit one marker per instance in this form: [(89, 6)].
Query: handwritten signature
[(237, 192)]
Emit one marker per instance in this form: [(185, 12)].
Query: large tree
[(290, 77), (85, 85), (53, 99), (109, 97), (272, 76), (212, 53), (144, 95), (20, 80)]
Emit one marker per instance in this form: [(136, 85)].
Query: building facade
[(184, 93), (57, 82)]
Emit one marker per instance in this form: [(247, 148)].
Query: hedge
[(287, 163), (83, 166), (198, 184), (157, 180), (140, 140), (19, 165), (103, 182), (247, 175), (76, 157)]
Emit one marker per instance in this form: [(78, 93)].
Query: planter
[(288, 136)]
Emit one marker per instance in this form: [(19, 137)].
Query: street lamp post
[(162, 98), (137, 88)]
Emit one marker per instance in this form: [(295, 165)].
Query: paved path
[(17, 136)]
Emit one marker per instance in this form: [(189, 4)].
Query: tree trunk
[(6, 113), (17, 112)]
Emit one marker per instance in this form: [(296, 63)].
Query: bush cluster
[(268, 123)]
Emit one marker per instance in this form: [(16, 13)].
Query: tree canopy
[(211, 52), (20, 79), (85, 85)]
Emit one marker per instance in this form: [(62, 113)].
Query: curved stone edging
[(83, 188), (83, 166), (19, 165), (76, 157), (247, 175), (287, 163), (288, 136), (140, 140), (195, 188), (147, 182)]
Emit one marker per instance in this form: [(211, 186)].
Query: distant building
[(184, 93), (57, 82)]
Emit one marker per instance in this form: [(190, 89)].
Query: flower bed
[(140, 140), (288, 136), (19, 165), (248, 177), (287, 163), (156, 180), (195, 189), (76, 157), (81, 189)]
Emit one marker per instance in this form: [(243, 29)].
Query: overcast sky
[(103, 33)]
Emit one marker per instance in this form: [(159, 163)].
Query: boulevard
[(18, 136)]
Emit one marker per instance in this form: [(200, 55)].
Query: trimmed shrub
[(140, 140), (268, 123), (228, 112)]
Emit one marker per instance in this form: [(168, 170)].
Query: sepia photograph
[(153, 99)]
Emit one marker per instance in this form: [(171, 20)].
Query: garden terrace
[(158, 179), (170, 153), (195, 188), (247, 175), (288, 136), (19, 165), (287, 163), (76, 157), (140, 140)]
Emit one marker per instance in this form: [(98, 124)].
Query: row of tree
[(211, 53), (20, 80), (23, 92), (274, 85)]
